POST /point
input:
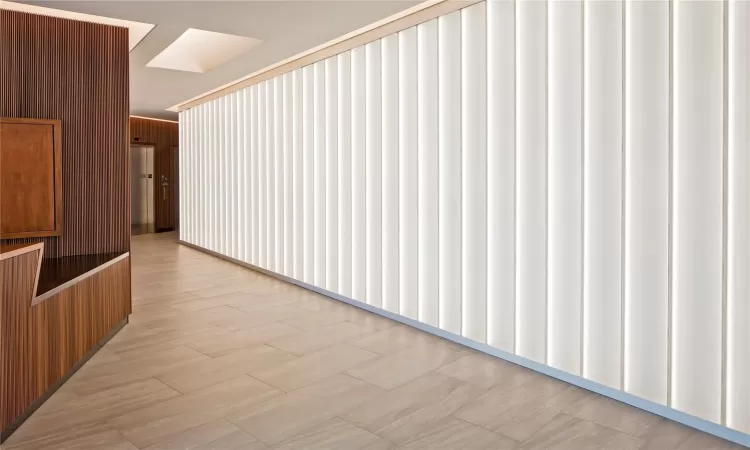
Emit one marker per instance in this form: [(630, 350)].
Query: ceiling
[(285, 27)]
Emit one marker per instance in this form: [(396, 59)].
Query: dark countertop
[(58, 271)]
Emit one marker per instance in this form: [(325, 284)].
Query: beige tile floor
[(218, 357)]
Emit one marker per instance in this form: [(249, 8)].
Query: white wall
[(565, 181)]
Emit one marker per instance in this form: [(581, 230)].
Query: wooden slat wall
[(17, 286), (165, 136), (52, 68), (40, 344)]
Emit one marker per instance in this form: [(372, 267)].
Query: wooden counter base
[(43, 344)]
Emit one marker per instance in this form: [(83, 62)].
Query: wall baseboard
[(616, 394)]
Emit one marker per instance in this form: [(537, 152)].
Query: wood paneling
[(46, 73), (17, 284), (30, 178), (42, 343), (164, 136)]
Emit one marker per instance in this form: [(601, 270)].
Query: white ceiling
[(285, 27)]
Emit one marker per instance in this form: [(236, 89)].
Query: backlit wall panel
[(566, 182)]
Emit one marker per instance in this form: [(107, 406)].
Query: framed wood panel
[(30, 178)]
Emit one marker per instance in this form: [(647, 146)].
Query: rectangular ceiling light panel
[(200, 51)]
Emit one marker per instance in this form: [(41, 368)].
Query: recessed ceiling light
[(138, 30), (200, 50)]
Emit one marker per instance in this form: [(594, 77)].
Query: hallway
[(219, 357)]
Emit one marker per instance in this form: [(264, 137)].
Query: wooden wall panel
[(41, 343), (165, 137), (45, 73), (17, 287)]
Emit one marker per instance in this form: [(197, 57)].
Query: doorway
[(141, 189)]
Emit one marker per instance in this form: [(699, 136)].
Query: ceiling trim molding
[(407, 18)]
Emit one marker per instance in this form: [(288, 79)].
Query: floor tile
[(217, 435), (394, 339), (293, 413), (202, 374), (126, 371), (225, 343), (405, 411), (335, 434), (521, 412), (319, 338), (158, 422), (392, 371), (313, 367), (613, 414), (486, 371), (566, 432), (452, 433)]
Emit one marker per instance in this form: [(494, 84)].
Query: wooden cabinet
[(30, 178)]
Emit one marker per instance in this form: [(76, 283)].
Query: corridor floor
[(219, 357)]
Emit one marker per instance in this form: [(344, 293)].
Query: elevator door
[(141, 189)]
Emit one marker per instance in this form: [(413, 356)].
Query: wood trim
[(15, 250), (57, 154), (408, 18)]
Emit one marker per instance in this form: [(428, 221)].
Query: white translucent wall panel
[(474, 166), (332, 190), (408, 222), (223, 176), (602, 290), (298, 173), (278, 166), (697, 208), (240, 179), (449, 180), (565, 179), (319, 163), (427, 162), (288, 190), (345, 173), (236, 161), (738, 243), (271, 174), (359, 174), (646, 194), (374, 169), (390, 94), (247, 170), (308, 186), (262, 177), (501, 174), (254, 175), (531, 181)]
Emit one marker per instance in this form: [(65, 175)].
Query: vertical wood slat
[(44, 75), (41, 343)]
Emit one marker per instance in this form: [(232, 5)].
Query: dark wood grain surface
[(46, 72)]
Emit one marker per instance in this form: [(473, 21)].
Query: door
[(141, 189)]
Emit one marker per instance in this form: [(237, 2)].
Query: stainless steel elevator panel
[(141, 189)]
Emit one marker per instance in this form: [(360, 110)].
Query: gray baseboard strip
[(616, 394)]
